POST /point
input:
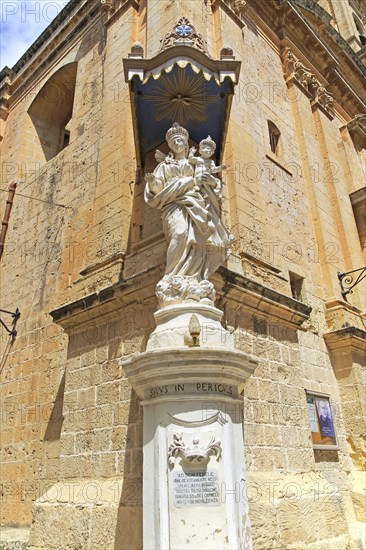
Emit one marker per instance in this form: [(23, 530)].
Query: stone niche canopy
[(182, 83)]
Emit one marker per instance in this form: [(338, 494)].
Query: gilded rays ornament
[(180, 97)]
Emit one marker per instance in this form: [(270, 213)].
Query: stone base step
[(14, 538)]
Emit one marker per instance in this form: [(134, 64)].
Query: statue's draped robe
[(198, 243)]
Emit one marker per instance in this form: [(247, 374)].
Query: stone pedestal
[(190, 381)]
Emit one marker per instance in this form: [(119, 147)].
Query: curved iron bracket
[(348, 281), (12, 332)]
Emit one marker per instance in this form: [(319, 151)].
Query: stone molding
[(108, 4), (251, 295), (309, 30), (5, 92), (235, 8), (45, 51), (261, 300), (108, 300), (357, 130), (297, 72), (358, 196), (113, 9), (145, 66), (340, 314), (164, 367), (346, 340)]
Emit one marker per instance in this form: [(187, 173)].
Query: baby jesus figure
[(205, 168)]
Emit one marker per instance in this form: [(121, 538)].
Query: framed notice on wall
[(321, 421)]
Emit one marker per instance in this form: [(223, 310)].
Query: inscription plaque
[(196, 489)]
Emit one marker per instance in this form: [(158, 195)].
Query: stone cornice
[(184, 365), (251, 295), (358, 196), (346, 340), (181, 52), (322, 20), (108, 300), (234, 8), (260, 299), (5, 90), (57, 37), (46, 35), (307, 28), (357, 130), (340, 314)]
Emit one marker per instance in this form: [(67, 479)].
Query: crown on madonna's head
[(208, 141), (176, 130)]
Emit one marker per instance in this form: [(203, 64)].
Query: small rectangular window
[(297, 286), (323, 434), (274, 138)]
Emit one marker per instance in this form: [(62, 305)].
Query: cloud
[(21, 24)]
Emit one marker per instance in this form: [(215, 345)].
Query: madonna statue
[(184, 188)]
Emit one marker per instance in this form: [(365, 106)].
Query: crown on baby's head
[(208, 141), (176, 130)]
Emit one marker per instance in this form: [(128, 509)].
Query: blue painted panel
[(180, 96)]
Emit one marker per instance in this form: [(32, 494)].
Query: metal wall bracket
[(348, 281), (12, 332)]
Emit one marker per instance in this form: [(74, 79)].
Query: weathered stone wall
[(71, 425), (74, 211)]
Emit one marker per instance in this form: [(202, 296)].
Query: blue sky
[(22, 21)]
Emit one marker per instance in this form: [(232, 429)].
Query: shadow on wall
[(54, 426), (51, 112), (129, 518)]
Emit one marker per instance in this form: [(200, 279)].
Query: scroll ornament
[(296, 71)]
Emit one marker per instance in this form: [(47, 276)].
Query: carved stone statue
[(184, 188)]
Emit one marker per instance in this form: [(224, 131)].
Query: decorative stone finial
[(192, 337), (137, 51), (227, 54)]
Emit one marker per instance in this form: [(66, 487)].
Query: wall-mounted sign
[(322, 429)]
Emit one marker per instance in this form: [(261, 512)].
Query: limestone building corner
[(122, 375)]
